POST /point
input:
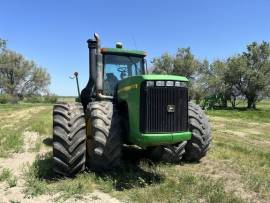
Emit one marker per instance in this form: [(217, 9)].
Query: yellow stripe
[(127, 88)]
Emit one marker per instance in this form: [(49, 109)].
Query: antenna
[(134, 41)]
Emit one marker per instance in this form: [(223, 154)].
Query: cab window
[(118, 67)]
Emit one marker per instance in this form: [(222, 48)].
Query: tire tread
[(69, 139)]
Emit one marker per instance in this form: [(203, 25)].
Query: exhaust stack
[(95, 63), (99, 68), (92, 45)]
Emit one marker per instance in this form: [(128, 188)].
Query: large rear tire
[(168, 153), (199, 143), (104, 144), (69, 139)]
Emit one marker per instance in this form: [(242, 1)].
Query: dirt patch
[(18, 161), (252, 131), (15, 164), (237, 133), (96, 197), (16, 194), (30, 139)]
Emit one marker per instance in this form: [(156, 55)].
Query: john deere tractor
[(123, 105)]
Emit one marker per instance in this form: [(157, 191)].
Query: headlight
[(169, 83), (180, 84), (150, 83), (177, 84), (160, 83)]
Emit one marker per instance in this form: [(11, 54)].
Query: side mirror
[(75, 75)]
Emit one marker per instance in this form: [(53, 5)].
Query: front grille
[(163, 109)]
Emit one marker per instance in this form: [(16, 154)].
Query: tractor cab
[(109, 66), (118, 64)]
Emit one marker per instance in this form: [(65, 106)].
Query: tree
[(244, 75), (164, 64), (213, 82), (2, 44), (37, 82), (233, 73), (258, 72), (19, 76), (250, 72), (183, 63)]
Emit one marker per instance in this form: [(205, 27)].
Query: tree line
[(242, 76), (245, 75), (19, 77)]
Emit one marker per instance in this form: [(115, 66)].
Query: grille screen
[(163, 109)]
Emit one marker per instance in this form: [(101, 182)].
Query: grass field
[(66, 99), (236, 169)]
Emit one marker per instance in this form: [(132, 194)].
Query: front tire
[(199, 143), (168, 153), (69, 139), (104, 144)]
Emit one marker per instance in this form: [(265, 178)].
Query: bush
[(34, 99), (41, 99), (50, 99), (5, 98)]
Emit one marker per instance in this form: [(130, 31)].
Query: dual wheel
[(94, 138), (74, 148)]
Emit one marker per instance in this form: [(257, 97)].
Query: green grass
[(6, 108), (236, 169), (132, 183), (66, 99), (7, 176), (251, 162), (174, 185), (262, 114), (12, 182), (11, 141), (244, 146), (41, 122), (40, 180), (12, 127)]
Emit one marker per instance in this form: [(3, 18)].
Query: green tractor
[(123, 105)]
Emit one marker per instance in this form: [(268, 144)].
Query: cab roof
[(123, 51)]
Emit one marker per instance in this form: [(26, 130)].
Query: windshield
[(119, 67)]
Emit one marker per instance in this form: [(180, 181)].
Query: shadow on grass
[(48, 141), (43, 167), (135, 172)]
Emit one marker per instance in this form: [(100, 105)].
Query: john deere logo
[(170, 108)]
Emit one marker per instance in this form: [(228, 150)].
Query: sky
[(53, 33)]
